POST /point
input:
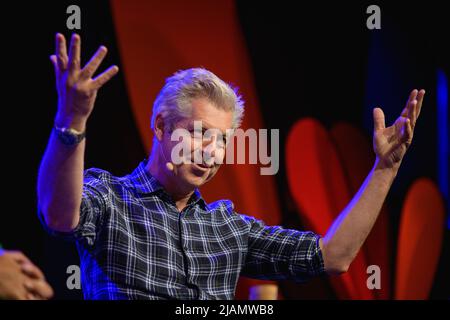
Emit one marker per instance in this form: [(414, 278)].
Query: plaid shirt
[(134, 243)]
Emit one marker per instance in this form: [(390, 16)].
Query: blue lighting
[(443, 134)]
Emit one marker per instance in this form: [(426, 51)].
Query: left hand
[(390, 144)]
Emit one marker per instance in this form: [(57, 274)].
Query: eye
[(207, 134), (222, 143), (196, 133)]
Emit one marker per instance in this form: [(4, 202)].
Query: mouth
[(202, 166)]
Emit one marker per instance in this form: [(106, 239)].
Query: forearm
[(60, 180), (349, 231)]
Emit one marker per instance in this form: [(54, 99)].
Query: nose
[(209, 151)]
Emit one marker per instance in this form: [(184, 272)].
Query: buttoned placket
[(185, 247)]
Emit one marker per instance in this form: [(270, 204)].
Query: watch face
[(67, 137)]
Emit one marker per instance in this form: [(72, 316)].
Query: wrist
[(75, 122), (69, 136), (389, 172)]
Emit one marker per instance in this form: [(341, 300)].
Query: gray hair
[(174, 99)]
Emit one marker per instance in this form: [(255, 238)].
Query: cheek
[(182, 151), (185, 173), (194, 144), (219, 156)]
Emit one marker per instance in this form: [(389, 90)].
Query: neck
[(157, 167)]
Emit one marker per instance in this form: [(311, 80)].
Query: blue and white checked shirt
[(134, 243)]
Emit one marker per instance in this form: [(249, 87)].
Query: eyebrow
[(206, 127)]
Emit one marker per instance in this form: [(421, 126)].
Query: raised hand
[(76, 88), (390, 144)]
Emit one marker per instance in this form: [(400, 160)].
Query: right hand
[(76, 88)]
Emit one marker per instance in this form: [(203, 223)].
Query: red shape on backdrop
[(420, 240), (157, 38), (319, 188), (357, 158)]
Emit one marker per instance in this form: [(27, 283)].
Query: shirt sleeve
[(275, 253), (92, 212)]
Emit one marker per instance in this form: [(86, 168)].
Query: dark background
[(318, 52)]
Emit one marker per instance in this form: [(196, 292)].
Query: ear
[(159, 127)]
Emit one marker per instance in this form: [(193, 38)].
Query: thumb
[(378, 119)]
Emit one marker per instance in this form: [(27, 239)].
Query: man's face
[(204, 141)]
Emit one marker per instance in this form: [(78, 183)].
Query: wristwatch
[(69, 136)]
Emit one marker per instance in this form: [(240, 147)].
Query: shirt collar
[(145, 183), (197, 198)]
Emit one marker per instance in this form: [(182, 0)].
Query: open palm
[(390, 144), (76, 86)]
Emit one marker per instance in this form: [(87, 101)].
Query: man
[(20, 279), (150, 235)]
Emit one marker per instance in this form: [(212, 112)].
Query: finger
[(61, 51), (408, 133), (44, 290), (39, 288), (412, 96), (74, 53), (412, 113), (54, 61), (378, 119), (92, 66), (30, 296), (32, 271), (20, 294), (420, 97), (105, 77), (18, 256)]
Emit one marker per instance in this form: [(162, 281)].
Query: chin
[(195, 181), (192, 179), (195, 178)]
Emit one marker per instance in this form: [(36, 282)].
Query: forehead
[(211, 116)]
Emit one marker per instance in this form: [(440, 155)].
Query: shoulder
[(224, 205), (227, 207), (102, 179), (96, 176)]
